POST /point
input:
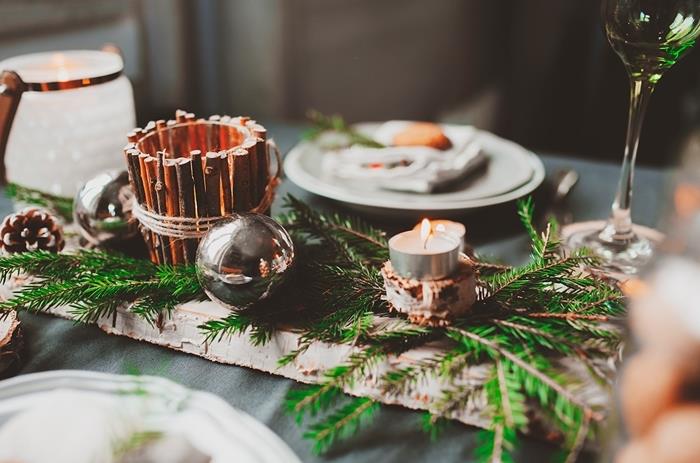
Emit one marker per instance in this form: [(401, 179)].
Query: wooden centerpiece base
[(180, 331)]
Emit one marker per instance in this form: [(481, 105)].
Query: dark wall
[(537, 71), (567, 91)]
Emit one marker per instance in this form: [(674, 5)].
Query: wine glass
[(650, 36)]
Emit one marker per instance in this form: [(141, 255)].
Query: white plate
[(230, 434), (513, 172)]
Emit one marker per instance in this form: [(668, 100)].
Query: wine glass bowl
[(650, 36)]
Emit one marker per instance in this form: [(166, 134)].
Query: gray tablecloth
[(395, 435)]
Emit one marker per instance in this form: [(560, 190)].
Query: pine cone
[(29, 230)]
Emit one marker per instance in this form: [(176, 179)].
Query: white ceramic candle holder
[(63, 118)]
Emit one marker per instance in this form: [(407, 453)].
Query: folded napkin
[(419, 169)]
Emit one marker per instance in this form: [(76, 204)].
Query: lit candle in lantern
[(455, 229), (64, 118), (423, 254)]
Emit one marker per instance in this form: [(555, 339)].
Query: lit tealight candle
[(455, 229), (423, 254)]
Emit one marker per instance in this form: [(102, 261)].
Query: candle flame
[(62, 65), (58, 59), (425, 232)]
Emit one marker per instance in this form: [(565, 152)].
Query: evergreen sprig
[(94, 284), (336, 123), (525, 321), (59, 205)]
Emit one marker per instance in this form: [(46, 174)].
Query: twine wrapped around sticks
[(188, 173), (197, 227)]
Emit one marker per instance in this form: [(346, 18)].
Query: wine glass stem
[(621, 217)]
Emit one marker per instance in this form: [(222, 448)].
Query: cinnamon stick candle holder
[(189, 173)]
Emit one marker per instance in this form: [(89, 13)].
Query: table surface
[(395, 435)]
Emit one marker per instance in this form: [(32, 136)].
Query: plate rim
[(301, 178), (218, 408)]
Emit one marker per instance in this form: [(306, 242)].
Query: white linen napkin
[(419, 169)]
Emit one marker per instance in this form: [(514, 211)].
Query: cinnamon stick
[(212, 183), (262, 157), (130, 167), (151, 164), (226, 172), (172, 139), (162, 208), (149, 139), (139, 190), (144, 180), (242, 201), (202, 135), (172, 207), (225, 135), (198, 179), (148, 235), (192, 142), (214, 131), (163, 140), (250, 145), (186, 202)]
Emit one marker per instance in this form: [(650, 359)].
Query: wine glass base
[(620, 258)]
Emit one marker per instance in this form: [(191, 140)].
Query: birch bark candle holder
[(431, 302), (427, 278), (189, 173)]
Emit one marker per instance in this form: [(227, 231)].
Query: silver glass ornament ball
[(244, 259), (102, 209)]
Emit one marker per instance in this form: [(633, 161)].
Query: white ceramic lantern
[(71, 111)]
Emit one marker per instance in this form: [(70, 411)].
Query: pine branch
[(493, 445), (568, 316), (91, 312), (505, 400), (56, 204), (526, 318), (233, 324), (336, 123), (490, 267), (544, 245), (152, 307), (497, 351), (433, 425), (350, 238), (579, 440), (526, 212), (399, 381), (455, 398), (95, 283), (320, 396), (342, 424)]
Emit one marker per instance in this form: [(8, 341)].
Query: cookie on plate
[(423, 134)]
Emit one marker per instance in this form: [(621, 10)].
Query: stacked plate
[(510, 173), (57, 405)]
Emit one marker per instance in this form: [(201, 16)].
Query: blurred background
[(537, 71)]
